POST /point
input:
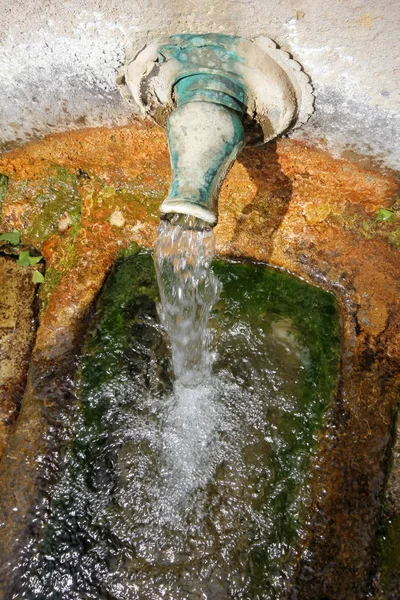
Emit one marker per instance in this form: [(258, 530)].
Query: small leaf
[(37, 277), (23, 259), (384, 214), (33, 260), (12, 236)]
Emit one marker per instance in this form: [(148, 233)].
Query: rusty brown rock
[(288, 205), (17, 334)]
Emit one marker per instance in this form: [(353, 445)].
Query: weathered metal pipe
[(204, 139), (215, 93)]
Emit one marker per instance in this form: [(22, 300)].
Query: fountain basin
[(291, 206)]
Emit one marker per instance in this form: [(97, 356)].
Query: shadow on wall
[(263, 216)]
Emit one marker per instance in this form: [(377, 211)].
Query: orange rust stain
[(366, 21)]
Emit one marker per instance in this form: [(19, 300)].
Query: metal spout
[(201, 86), (204, 139)]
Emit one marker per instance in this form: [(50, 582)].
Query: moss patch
[(3, 187)]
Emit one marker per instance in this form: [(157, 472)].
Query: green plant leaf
[(23, 259), (12, 236), (33, 260), (37, 277), (384, 214)]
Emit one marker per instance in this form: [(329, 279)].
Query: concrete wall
[(58, 61)]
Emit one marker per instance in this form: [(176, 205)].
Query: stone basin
[(81, 198)]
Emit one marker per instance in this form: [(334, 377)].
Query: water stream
[(188, 292), (186, 477)]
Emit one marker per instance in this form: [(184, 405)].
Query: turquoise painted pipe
[(205, 134), (213, 82)]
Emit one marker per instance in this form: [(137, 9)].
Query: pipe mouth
[(185, 207), (187, 221)]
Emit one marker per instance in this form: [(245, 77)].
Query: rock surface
[(386, 584), (17, 335)]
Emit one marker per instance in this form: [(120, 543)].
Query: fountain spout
[(214, 93), (204, 139)]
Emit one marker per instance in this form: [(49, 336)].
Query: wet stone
[(17, 334), (287, 204), (387, 579)]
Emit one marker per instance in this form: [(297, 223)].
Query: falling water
[(188, 291)]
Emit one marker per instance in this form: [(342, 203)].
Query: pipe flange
[(279, 95)]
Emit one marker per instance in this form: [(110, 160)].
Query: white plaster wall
[(58, 61)]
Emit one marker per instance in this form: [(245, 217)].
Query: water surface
[(176, 492)]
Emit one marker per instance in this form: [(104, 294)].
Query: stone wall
[(58, 62)]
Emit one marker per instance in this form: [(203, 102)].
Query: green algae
[(56, 195), (386, 582), (386, 230), (383, 227), (124, 357), (138, 193), (312, 311), (47, 201), (388, 556), (59, 196), (394, 238), (56, 271), (3, 187), (391, 554), (118, 313), (389, 579)]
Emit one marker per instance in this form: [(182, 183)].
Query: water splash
[(188, 291)]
